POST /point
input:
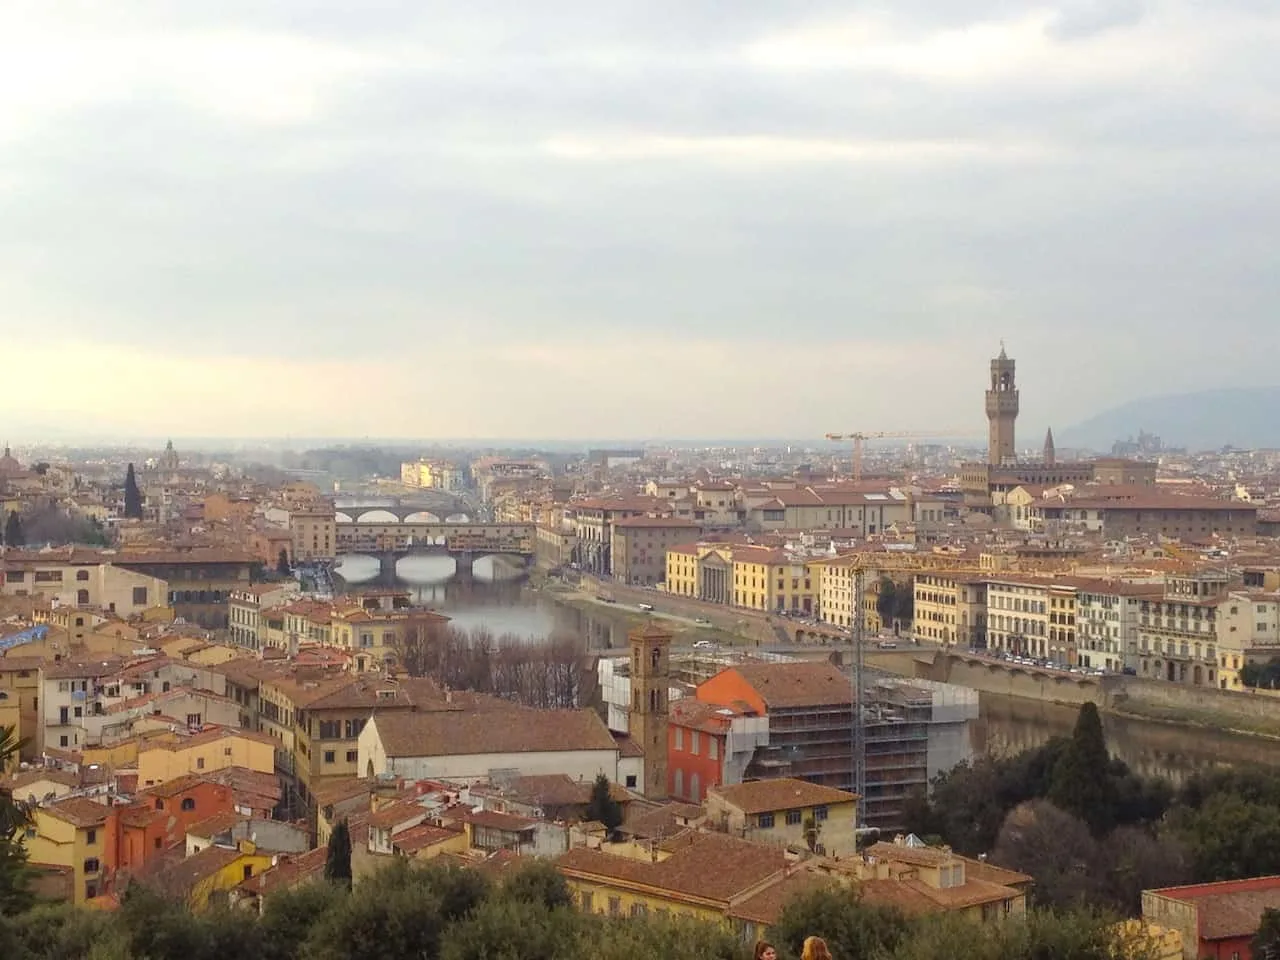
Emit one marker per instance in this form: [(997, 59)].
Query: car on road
[(703, 645), (645, 606), (887, 645), (702, 622)]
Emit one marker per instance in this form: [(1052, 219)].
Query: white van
[(645, 606)]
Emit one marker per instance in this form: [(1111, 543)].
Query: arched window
[(656, 657), (653, 700), (82, 574)]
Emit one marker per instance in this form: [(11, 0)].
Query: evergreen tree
[(13, 535), (1266, 943), (337, 868), (1081, 783), (602, 807), (282, 563), (132, 496)]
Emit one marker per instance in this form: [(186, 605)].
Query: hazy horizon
[(567, 220)]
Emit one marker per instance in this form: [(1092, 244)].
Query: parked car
[(704, 622), (703, 645), (645, 606), (887, 645)]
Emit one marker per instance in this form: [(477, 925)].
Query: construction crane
[(858, 436)]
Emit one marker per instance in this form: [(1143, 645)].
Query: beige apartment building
[(81, 578), (639, 547), (1178, 633), (1248, 631), (313, 532)]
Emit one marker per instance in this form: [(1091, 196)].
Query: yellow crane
[(858, 437)]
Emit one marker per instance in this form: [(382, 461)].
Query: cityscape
[(636, 481)]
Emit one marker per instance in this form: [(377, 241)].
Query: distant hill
[(1244, 417)]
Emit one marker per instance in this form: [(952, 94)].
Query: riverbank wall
[(1226, 710)]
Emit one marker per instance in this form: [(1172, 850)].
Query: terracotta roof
[(210, 827), (394, 814), (763, 796), (627, 747), (554, 790), (475, 732), (674, 523), (711, 867), (494, 820), (1225, 910), (422, 836), (288, 871), (79, 811), (766, 906), (82, 668), (40, 774), (916, 896), (208, 736), (249, 784), (791, 685), (182, 876), (664, 821)]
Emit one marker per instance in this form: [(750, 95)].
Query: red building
[(697, 738), (158, 820), (1216, 920)]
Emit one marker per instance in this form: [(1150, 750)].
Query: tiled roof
[(422, 836), (791, 685), (766, 906), (494, 820), (79, 811), (763, 796), (1230, 908), (712, 866), (288, 872), (182, 876), (916, 896), (475, 732), (664, 821)]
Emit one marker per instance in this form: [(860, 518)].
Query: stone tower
[(650, 679), (1050, 453), (1002, 410)]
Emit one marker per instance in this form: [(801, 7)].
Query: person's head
[(815, 948), (765, 951)]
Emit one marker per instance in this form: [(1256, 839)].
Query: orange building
[(158, 820)]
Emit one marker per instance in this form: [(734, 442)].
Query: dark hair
[(761, 947)]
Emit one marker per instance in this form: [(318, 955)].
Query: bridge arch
[(341, 517), (422, 516), (457, 518), (378, 516)]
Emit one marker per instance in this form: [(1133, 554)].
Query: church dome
[(9, 466)]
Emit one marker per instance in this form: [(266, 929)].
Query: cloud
[(409, 196)]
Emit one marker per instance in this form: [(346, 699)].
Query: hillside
[(1243, 417)]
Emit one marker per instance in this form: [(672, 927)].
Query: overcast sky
[(628, 217)]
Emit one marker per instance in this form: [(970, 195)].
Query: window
[(793, 818), (188, 803), (139, 596), (819, 813), (631, 781), (91, 865), (330, 729), (639, 911), (91, 837), (695, 789), (351, 756), (193, 719), (765, 821), (158, 843), (328, 756), (679, 781), (62, 740), (82, 574), (248, 870), (353, 728), (679, 738), (159, 802), (199, 763), (615, 906), (588, 901)]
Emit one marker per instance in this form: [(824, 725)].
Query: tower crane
[(858, 436)]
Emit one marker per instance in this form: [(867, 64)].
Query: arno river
[(1006, 725)]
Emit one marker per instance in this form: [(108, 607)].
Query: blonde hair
[(815, 948)]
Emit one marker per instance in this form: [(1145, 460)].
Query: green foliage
[(1266, 675), (850, 927), (602, 938), (602, 806), (1266, 942), (511, 930), (337, 866), (1077, 935), (537, 882), (58, 932), (381, 919), (1230, 836), (13, 535), (132, 496), (290, 915), (1081, 783), (15, 889)]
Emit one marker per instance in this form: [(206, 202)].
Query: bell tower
[(1002, 410), (650, 680)]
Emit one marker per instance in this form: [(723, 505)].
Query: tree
[(337, 868), (1081, 784), (602, 807), (15, 890), (539, 883), (1057, 850), (13, 535), (1266, 942), (282, 564), (886, 602), (132, 496), (851, 927)]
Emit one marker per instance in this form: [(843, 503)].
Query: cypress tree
[(337, 868), (602, 807), (1081, 783), (282, 563), (13, 535), (132, 496)]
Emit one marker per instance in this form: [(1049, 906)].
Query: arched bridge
[(454, 538), (434, 509)]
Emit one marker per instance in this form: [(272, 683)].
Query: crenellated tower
[(1002, 411)]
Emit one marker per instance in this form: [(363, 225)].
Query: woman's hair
[(762, 946), (815, 948)]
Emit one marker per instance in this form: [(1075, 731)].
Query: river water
[(499, 599)]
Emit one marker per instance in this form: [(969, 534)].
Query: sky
[(628, 218)]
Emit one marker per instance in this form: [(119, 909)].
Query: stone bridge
[(390, 542), (421, 509)]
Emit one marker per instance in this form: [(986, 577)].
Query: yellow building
[(19, 699), (697, 875), (176, 755), (71, 834), (787, 812), (950, 608), (772, 580), (205, 879)]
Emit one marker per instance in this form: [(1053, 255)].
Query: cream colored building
[(1178, 633), (787, 812), (951, 609), (1018, 616), (313, 532), (1248, 631), (81, 579)]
